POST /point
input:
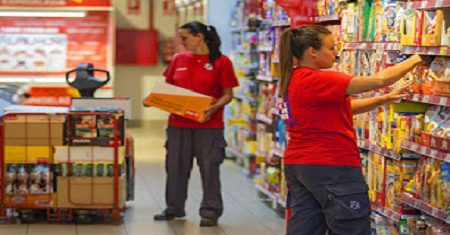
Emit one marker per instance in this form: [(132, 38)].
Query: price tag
[(443, 50), (424, 4), (417, 204), (415, 97), (409, 5), (435, 212), (414, 147), (421, 50), (438, 3), (426, 98), (434, 50), (443, 101), (434, 153)]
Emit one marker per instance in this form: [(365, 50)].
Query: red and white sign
[(55, 3), (134, 7), (51, 46), (169, 7)]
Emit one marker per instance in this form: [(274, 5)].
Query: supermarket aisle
[(245, 213)]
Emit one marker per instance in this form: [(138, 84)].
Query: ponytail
[(210, 35), (286, 61), (213, 41), (293, 44)]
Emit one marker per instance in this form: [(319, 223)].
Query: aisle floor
[(245, 213)]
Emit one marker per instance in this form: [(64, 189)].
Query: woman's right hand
[(144, 101)]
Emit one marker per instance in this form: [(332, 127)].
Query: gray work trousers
[(207, 145), (331, 199)]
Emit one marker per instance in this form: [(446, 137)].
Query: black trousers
[(331, 199), (207, 145)]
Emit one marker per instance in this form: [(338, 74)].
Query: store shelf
[(235, 152), (428, 4), (265, 191), (278, 152), (378, 150), (430, 99), (274, 111), (390, 46), (439, 50), (280, 200), (265, 78), (264, 118), (320, 19), (425, 207), (265, 49), (243, 51), (239, 29), (426, 151), (280, 23), (241, 97), (393, 215)]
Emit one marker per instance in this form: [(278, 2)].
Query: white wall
[(219, 15), (137, 82)]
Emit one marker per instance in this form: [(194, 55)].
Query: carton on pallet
[(33, 130), (81, 154), (179, 101), (89, 192)]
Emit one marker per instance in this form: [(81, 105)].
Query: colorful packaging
[(390, 191), (445, 185)]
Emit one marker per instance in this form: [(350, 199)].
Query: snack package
[(395, 33), (408, 28), (379, 18), (435, 77), (435, 184), (438, 120), (445, 185), (390, 191), (404, 172)]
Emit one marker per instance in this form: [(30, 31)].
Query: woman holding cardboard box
[(203, 69), (327, 190)]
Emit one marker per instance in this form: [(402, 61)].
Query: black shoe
[(205, 222), (166, 216)]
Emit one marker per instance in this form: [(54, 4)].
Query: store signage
[(51, 46), (134, 7), (300, 12), (169, 8), (55, 3)]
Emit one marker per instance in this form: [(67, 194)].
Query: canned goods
[(63, 169)]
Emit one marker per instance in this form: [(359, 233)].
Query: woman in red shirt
[(327, 190), (203, 69)]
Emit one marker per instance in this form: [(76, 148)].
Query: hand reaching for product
[(399, 92)]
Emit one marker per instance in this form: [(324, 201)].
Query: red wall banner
[(55, 3), (51, 46)]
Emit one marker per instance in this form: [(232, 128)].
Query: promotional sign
[(55, 3), (51, 46), (134, 7), (300, 12)]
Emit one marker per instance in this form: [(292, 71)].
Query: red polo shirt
[(320, 119), (195, 72)]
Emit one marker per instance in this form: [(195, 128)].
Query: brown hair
[(293, 44), (211, 36)]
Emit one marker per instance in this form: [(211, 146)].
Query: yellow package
[(434, 181), (404, 171), (390, 191), (445, 184)]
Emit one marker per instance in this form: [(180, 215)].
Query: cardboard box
[(82, 154), (89, 192), (28, 154), (408, 28), (432, 27), (179, 101), (34, 130), (31, 201)]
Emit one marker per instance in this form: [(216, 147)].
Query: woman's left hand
[(399, 92), (209, 112)]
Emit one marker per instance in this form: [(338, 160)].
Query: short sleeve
[(331, 86), (170, 71), (227, 75)]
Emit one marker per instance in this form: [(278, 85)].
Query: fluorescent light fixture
[(41, 14)]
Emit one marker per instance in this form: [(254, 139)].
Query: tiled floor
[(245, 212)]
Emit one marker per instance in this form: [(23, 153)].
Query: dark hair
[(293, 44), (212, 39)]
